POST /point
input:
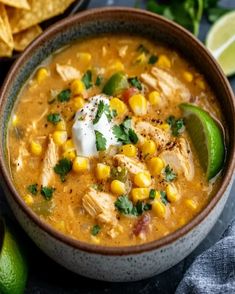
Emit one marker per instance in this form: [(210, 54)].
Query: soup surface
[(98, 146)]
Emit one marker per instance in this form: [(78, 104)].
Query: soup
[(98, 144)]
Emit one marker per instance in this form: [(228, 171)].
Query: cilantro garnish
[(152, 194), (135, 83), (100, 141), (63, 167), (102, 108), (99, 80), (170, 175), (87, 79), (33, 189), (142, 49), (47, 192), (125, 206), (64, 95), (163, 197), (177, 125), (54, 118), (153, 59), (95, 230), (124, 133)]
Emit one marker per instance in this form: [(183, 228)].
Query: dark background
[(45, 276)]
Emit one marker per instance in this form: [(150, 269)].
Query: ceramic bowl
[(131, 262)]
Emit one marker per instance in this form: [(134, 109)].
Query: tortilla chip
[(40, 11), (24, 38), (5, 50), (23, 4), (5, 30)]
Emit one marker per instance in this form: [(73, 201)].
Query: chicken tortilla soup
[(116, 140)]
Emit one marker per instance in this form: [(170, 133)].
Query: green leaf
[(141, 207), (103, 108), (99, 80), (132, 136), (135, 83), (163, 197), (47, 192), (177, 125), (124, 133), (63, 167), (64, 95), (54, 118), (142, 49), (95, 230), (152, 194), (170, 175), (87, 79), (153, 59), (100, 141), (124, 205), (33, 189)]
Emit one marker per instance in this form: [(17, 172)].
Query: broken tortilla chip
[(40, 11), (24, 38), (5, 30), (5, 50), (23, 4)]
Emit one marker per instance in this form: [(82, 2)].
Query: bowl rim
[(99, 249)]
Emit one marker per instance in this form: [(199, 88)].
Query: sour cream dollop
[(83, 130)]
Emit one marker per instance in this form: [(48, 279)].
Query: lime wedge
[(13, 269), (221, 42), (207, 138)]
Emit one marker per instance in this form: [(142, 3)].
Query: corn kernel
[(156, 165), (102, 171), (166, 127), (148, 147), (140, 194), (80, 164), (35, 148), (142, 179), (95, 239), (164, 61), (129, 150), (61, 126), (188, 76), (200, 83), (28, 199), (77, 87), (191, 204), (41, 74), (118, 187), (68, 145), (14, 120), (116, 66), (159, 208), (119, 106), (172, 193), (138, 104), (59, 137), (69, 154), (142, 58), (78, 102), (84, 57), (154, 98)]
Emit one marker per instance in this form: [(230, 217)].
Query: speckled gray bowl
[(117, 263)]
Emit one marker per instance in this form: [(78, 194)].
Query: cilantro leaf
[(163, 197), (125, 206), (141, 207), (99, 80), (100, 141), (87, 79), (47, 192), (33, 189), (153, 59), (142, 49), (135, 83), (64, 95), (102, 108), (63, 167), (124, 133), (177, 125), (54, 118), (95, 230), (152, 194), (170, 175)]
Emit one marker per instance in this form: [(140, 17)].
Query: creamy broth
[(85, 203)]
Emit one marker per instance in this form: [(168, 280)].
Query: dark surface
[(45, 276)]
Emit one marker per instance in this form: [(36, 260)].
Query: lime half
[(221, 42), (13, 268), (207, 137)]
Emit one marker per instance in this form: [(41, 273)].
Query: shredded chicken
[(131, 164), (122, 51), (180, 158), (67, 72), (100, 205), (23, 152), (146, 129), (50, 160), (149, 80)]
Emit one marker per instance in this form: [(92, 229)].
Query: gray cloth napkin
[(214, 270)]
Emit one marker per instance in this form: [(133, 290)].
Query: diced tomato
[(126, 95)]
